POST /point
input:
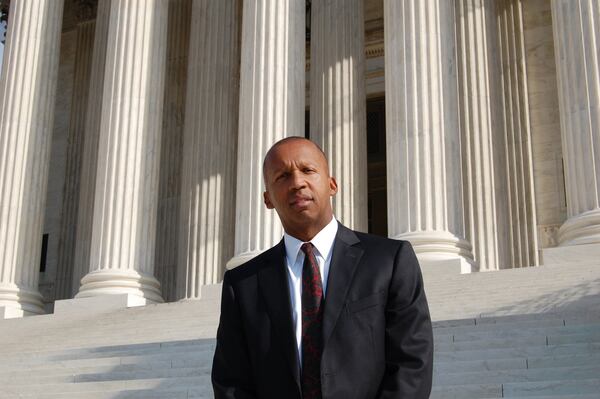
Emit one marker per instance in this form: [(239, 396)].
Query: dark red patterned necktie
[(312, 324)]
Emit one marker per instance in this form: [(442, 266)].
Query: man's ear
[(267, 200), (333, 186)]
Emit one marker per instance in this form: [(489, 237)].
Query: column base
[(111, 282), (581, 229), (241, 259), (440, 249), (19, 302)]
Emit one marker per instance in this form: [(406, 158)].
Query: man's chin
[(303, 217)]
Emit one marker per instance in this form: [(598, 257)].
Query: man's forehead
[(293, 151), (282, 163)]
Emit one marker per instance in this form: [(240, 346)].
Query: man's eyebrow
[(273, 170)]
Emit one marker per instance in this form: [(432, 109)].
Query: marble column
[(27, 88), (422, 132), (338, 102), (272, 97), (125, 206), (576, 37), (210, 146), (171, 149), (71, 190), (89, 157), (518, 246), (476, 130)]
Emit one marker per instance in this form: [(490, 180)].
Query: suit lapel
[(275, 290), (344, 259)]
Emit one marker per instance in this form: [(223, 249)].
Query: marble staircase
[(522, 333)]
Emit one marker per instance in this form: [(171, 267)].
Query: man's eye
[(308, 170)]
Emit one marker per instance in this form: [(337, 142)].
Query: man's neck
[(308, 233)]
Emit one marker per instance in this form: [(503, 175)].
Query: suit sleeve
[(231, 373), (408, 332)]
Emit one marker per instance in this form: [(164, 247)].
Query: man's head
[(298, 186)]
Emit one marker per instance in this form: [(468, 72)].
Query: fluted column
[(171, 149), (89, 157), (476, 130), (125, 206), (71, 190), (210, 146), (271, 108), (576, 29), (518, 201), (423, 143), (27, 88), (338, 102)]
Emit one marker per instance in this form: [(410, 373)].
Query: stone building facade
[(132, 134)]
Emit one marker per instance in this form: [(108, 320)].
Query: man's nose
[(298, 180)]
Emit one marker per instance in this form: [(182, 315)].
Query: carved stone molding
[(548, 235), (85, 10), (372, 50)]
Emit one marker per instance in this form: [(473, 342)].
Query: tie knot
[(307, 248)]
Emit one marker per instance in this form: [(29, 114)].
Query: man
[(326, 313)]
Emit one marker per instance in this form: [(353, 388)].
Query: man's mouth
[(300, 201)]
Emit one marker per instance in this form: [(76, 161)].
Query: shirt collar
[(323, 242)]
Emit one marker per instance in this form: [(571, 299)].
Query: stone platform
[(521, 333)]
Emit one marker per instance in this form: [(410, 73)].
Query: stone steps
[(487, 345), (105, 341), (199, 383), (558, 389), (528, 363), (515, 352), (125, 354), (564, 289), (99, 375), (528, 375), (575, 396), (520, 363), (159, 393)]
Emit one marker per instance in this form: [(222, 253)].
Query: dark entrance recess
[(377, 197), (44, 253)]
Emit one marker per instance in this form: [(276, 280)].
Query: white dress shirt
[(323, 244)]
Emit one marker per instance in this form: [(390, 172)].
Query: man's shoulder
[(251, 267), (376, 239), (373, 241), (382, 249)]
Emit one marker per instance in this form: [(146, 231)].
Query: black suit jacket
[(377, 336)]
